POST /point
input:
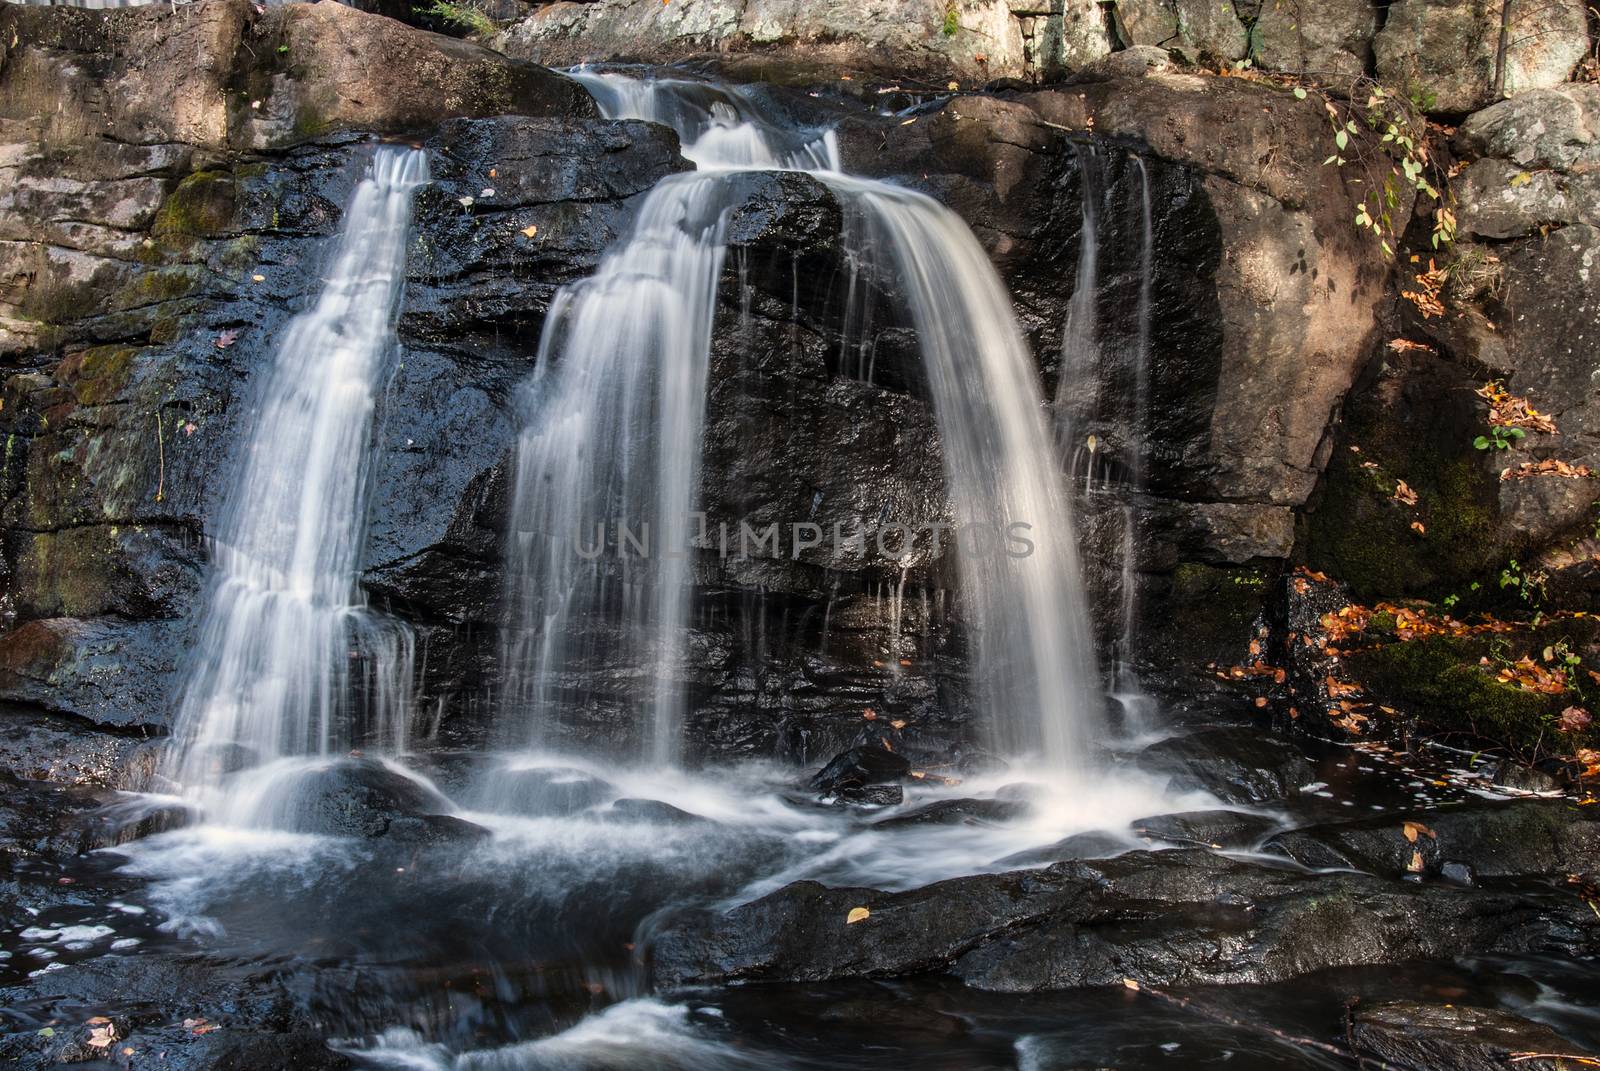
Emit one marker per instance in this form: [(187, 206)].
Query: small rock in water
[(1426, 1036), (858, 767), (1460, 873), (1525, 778), (872, 795), (632, 810)]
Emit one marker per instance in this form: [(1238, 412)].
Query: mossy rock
[(201, 207), (1441, 681), (98, 374), (1415, 423), (1206, 612)]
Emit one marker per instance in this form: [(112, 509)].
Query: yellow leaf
[(1131, 984), (529, 231), (1416, 865), (857, 914)]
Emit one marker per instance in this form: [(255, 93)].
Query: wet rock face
[(1168, 918)]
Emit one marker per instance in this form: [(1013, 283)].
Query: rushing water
[(289, 661), (616, 414)]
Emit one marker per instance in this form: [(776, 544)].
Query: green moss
[(1415, 425), (1208, 612), (154, 287), (201, 207), (1443, 681), (99, 374)]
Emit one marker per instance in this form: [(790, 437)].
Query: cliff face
[(173, 179)]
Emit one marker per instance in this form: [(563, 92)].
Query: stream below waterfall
[(507, 907)]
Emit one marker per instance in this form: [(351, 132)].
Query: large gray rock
[(800, 41), (1442, 52), (1198, 31), (1556, 128), (1327, 39), (1499, 199)]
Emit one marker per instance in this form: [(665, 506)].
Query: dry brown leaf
[(1404, 494), (857, 914)]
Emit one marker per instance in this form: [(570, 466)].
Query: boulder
[(1555, 129), (361, 798), (1236, 765), (859, 767), (1200, 32), (1168, 918), (1442, 53), (543, 791), (786, 41), (1215, 829), (1497, 839), (225, 74), (1457, 1037), (1329, 40)]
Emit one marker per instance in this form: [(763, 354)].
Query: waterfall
[(1078, 399), (613, 419), (1034, 669), (1138, 444), (615, 413), (288, 660)]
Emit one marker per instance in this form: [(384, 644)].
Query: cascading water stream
[(289, 662), (615, 417), (613, 422)]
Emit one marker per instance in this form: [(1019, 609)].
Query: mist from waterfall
[(288, 661), (614, 418)]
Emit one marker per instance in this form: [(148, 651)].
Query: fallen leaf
[(897, 724), (226, 339), (258, 278), (953, 86), (1416, 526), (1416, 866), (1413, 829), (1131, 984), (1404, 494), (857, 914), (529, 231)]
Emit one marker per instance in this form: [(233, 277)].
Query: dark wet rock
[(859, 767), (258, 1018), (872, 795), (47, 820), (553, 791), (1216, 829), (1454, 1037), (652, 811), (1497, 839), (1237, 765), (38, 746), (957, 812), (1168, 918), (360, 798), (1077, 846), (1525, 778), (430, 830), (1460, 873)]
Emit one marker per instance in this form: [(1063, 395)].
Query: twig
[(1586, 1061), (161, 455), (1228, 1020)]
